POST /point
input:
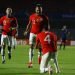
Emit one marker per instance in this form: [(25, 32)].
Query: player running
[(48, 41), (34, 26), (7, 22)]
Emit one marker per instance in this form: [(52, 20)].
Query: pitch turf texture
[(18, 65)]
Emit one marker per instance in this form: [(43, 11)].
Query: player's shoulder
[(3, 17), (52, 34), (41, 33), (32, 15), (44, 33), (13, 17), (44, 16)]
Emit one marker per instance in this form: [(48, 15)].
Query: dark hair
[(38, 5)]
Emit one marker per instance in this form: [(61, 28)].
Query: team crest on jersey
[(7, 21)]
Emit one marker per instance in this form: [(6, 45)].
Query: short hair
[(9, 9), (38, 5)]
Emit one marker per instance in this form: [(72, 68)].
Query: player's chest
[(7, 21), (37, 20)]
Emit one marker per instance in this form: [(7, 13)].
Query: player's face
[(38, 10), (8, 11)]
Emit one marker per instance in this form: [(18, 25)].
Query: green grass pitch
[(18, 64)]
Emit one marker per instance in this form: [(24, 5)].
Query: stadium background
[(59, 12)]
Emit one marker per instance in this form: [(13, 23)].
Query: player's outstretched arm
[(1, 23), (27, 28)]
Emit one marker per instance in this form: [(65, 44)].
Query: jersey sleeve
[(15, 23), (1, 20)]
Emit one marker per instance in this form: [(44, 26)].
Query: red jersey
[(46, 39), (7, 23), (37, 22)]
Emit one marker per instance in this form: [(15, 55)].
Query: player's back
[(46, 39)]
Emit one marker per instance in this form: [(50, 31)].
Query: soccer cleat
[(30, 65), (3, 62)]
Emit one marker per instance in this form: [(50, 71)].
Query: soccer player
[(7, 23), (48, 41), (34, 26), (64, 34)]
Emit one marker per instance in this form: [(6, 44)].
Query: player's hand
[(12, 28), (25, 33)]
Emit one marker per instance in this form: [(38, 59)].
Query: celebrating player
[(35, 25), (48, 41), (7, 22)]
